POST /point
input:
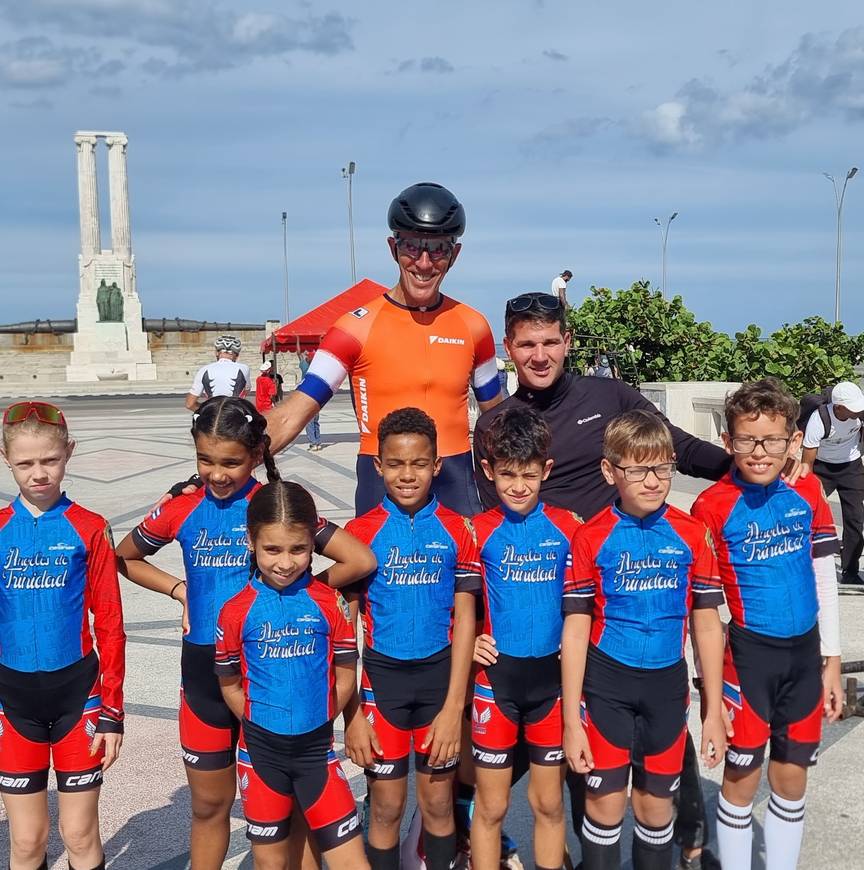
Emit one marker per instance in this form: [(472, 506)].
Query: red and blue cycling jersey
[(212, 535), (525, 562), (57, 569), (766, 539), (640, 578), (424, 559), (284, 643)]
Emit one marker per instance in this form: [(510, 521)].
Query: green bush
[(667, 343)]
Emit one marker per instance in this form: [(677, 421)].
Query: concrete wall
[(694, 406)]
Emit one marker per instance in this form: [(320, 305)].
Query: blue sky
[(564, 128)]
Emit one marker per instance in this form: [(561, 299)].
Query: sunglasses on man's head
[(535, 301), (43, 412), (413, 246)]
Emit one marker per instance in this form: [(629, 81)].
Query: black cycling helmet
[(426, 208)]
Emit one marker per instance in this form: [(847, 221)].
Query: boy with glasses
[(776, 546), (641, 570)]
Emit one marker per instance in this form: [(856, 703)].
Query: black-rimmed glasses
[(638, 473), (774, 445)]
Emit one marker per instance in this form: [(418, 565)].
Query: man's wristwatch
[(698, 684)]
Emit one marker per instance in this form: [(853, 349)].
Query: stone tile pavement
[(129, 451)]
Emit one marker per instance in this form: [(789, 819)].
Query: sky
[(564, 127)]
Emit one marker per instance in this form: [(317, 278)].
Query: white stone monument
[(109, 344)]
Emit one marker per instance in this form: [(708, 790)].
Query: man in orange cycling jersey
[(410, 346)]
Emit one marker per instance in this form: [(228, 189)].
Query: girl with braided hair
[(210, 526), (286, 658)]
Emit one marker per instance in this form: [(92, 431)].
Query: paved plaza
[(129, 451)]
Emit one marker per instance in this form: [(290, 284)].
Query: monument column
[(121, 241), (88, 198)]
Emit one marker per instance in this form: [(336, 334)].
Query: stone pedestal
[(107, 350)]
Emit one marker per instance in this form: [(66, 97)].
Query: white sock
[(784, 827), (734, 834)]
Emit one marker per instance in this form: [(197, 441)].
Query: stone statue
[(115, 303)]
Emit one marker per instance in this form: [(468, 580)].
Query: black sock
[(99, 866), (440, 851), (652, 847), (538, 867), (383, 859), (601, 845)]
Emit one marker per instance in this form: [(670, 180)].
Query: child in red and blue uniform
[(419, 623), (775, 544), (210, 526), (525, 552), (59, 701), (640, 569), (286, 659)]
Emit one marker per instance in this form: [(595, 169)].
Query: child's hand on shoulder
[(484, 650), (714, 738), (577, 750), (361, 742)]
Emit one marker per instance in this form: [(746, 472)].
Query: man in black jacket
[(577, 410)]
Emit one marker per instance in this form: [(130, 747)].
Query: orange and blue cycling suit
[(398, 356)]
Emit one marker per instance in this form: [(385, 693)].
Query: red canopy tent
[(305, 332)]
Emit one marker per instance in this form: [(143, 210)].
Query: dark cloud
[(551, 54), (566, 137), (187, 36), (823, 77), (32, 105), (435, 65), (37, 62)]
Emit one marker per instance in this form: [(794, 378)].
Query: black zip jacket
[(577, 410)]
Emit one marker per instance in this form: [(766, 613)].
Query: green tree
[(669, 344)]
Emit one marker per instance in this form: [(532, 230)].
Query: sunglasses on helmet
[(43, 412), (535, 301)]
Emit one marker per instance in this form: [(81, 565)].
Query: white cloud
[(822, 77)]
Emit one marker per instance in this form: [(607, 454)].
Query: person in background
[(502, 376), (267, 387), (835, 456), (313, 427), (559, 287), (225, 377)]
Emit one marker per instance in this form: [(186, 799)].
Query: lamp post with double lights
[(664, 237), (348, 173), (839, 195)]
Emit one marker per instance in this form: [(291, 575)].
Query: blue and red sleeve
[(163, 524), (704, 573), (823, 533), (460, 529), (102, 599), (343, 638), (229, 633), (583, 583)]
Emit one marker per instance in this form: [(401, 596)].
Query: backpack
[(816, 402)]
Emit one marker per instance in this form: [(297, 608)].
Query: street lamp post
[(839, 194), (285, 263), (664, 236), (348, 173)]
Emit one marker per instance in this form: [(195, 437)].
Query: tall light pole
[(348, 172), (664, 235), (839, 194), (285, 262)]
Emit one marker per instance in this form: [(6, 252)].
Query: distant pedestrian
[(268, 387), (313, 427), (502, 376), (832, 449), (559, 286), (225, 377)]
